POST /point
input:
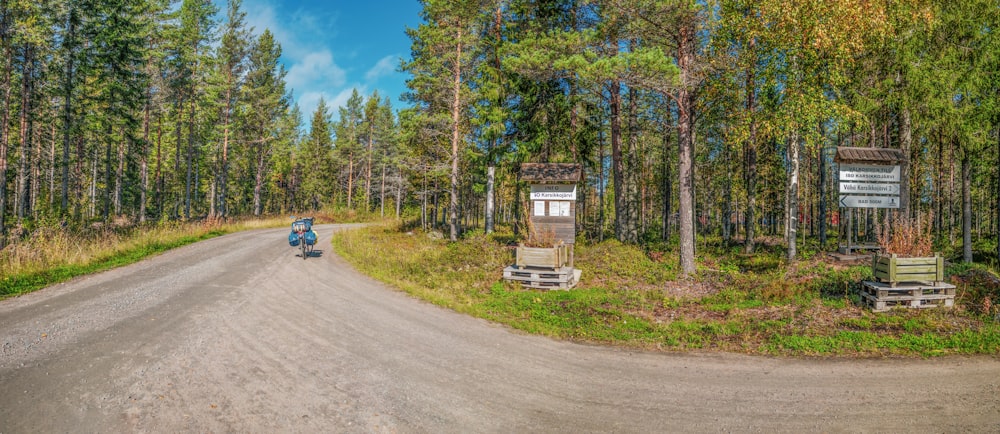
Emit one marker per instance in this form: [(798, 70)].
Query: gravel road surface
[(238, 334)]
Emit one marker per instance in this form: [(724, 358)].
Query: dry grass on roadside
[(49, 253)]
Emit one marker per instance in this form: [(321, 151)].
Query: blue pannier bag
[(310, 238), (293, 239)]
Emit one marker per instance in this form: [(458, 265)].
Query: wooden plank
[(884, 285), (909, 290), (913, 297), (879, 305), (880, 296), (916, 269), (916, 261), (561, 278)]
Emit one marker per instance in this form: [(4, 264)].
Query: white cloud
[(310, 100), (315, 70), (385, 66)]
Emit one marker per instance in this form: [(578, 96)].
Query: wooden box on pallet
[(547, 257), (893, 269)]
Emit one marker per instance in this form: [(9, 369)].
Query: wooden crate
[(543, 278), (881, 296), (544, 257), (892, 269)]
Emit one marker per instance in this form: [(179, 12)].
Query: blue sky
[(332, 47)]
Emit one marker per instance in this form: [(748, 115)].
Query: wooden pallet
[(543, 278), (880, 296)]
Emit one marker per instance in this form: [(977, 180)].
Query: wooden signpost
[(552, 220), (869, 178)]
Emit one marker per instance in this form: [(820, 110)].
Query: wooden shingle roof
[(846, 154), (551, 172)]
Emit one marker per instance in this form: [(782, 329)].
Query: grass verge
[(737, 303), (50, 255)]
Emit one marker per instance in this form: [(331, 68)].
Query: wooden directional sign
[(867, 172), (850, 201), (868, 188)]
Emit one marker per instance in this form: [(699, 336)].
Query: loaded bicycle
[(303, 236)]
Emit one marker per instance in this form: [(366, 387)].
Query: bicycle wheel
[(302, 242)]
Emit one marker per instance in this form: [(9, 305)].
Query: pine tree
[(230, 68), (315, 161), (348, 145), (266, 103), (442, 60)]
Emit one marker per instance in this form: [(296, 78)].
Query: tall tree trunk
[(490, 186), (119, 174), (423, 203), (667, 181), (368, 164), (350, 180), (792, 220), (750, 160), (685, 141), (455, 117), (224, 175), (258, 187), (381, 195), (727, 199), (632, 169), (22, 199), (966, 206), (822, 189), (108, 189), (158, 192), (617, 161), (939, 191), (905, 145), (53, 138), (601, 180), (69, 43), (189, 162), (144, 160), (399, 193), (6, 42)]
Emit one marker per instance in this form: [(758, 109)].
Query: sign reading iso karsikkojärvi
[(553, 192), (867, 172)]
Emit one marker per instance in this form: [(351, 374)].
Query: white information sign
[(868, 188), (848, 201), (539, 208), (553, 192), (563, 209), (866, 172)]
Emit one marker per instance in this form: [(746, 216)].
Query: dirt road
[(237, 334)]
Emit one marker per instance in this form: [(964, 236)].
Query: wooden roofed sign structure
[(870, 178), (553, 198), (547, 263)]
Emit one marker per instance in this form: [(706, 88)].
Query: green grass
[(631, 297)]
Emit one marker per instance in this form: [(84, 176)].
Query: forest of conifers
[(691, 118)]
